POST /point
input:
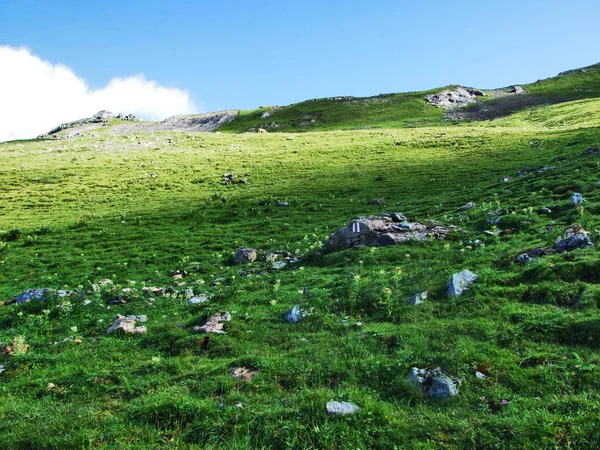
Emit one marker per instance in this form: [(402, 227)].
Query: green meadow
[(139, 209)]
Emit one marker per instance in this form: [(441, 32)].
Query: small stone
[(2, 368), (202, 298), (141, 318), (295, 315), (418, 298), (187, 293), (461, 282), (469, 205), (546, 210), (278, 265), (480, 376), (243, 373), (377, 201), (576, 199), (86, 302), (283, 204), (341, 408)]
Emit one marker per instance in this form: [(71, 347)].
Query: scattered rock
[(591, 151), (126, 324), (17, 346), (159, 292), (202, 298), (140, 318), (229, 179), (243, 373), (187, 293), (575, 237), (388, 229), (546, 210), (468, 206), (214, 324), (533, 254), (34, 294), (377, 201), (341, 408), (434, 382), (576, 199), (2, 368), (244, 255), (460, 282), (283, 204), (515, 89), (418, 298), (480, 376), (295, 314)]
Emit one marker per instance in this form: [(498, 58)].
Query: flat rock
[(202, 298), (125, 324), (575, 237), (341, 408), (533, 254), (214, 324), (34, 295), (384, 230), (460, 282)]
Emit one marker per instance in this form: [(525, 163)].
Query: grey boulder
[(244, 255), (460, 282), (34, 294), (434, 382)]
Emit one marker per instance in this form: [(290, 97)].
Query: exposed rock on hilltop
[(197, 122), (100, 117), (454, 98)]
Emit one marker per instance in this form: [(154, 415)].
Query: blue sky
[(240, 54)]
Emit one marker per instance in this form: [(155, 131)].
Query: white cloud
[(36, 95)]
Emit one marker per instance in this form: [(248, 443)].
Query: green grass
[(383, 111), (74, 212)]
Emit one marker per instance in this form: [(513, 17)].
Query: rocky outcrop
[(388, 229), (574, 237), (454, 98), (197, 122), (100, 117)]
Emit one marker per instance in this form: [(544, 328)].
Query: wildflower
[(74, 329), (504, 402), (387, 291), (398, 270)]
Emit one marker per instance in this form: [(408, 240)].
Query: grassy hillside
[(137, 210), (342, 113), (411, 109)]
